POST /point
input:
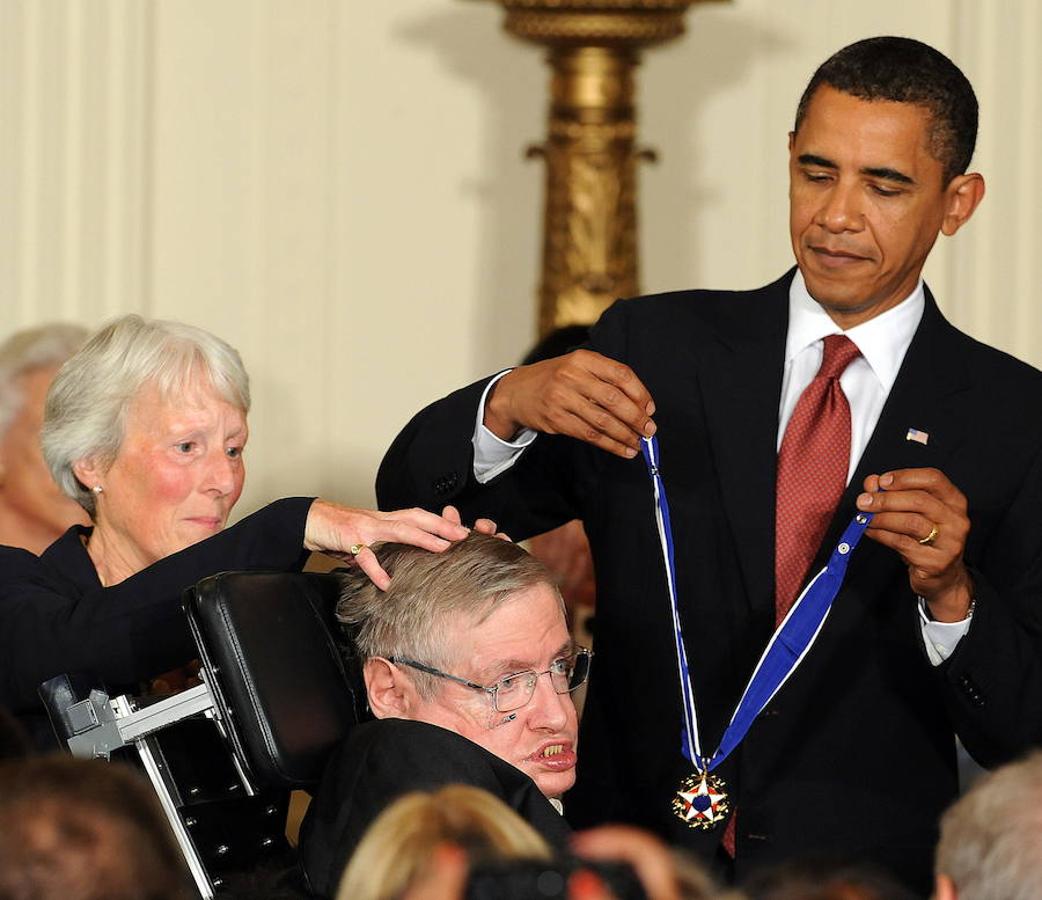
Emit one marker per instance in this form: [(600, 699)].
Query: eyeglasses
[(514, 691)]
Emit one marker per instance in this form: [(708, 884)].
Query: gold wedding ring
[(355, 549), (930, 538)]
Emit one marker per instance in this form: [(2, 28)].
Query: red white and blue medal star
[(701, 801)]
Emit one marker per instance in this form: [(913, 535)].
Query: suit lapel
[(741, 379), (741, 375)]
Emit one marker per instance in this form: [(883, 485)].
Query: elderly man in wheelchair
[(460, 672), (468, 668)]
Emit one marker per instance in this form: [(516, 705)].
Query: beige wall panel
[(338, 188), (421, 174), (995, 267), (74, 183)]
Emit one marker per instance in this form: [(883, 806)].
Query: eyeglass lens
[(566, 675)]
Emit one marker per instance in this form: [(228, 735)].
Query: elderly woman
[(145, 428), (33, 512)]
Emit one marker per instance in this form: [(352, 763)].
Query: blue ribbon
[(788, 646)]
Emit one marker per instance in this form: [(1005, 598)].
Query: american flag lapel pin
[(920, 437)]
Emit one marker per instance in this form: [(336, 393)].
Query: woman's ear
[(391, 693), (87, 472)]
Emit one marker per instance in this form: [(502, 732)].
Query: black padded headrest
[(285, 688)]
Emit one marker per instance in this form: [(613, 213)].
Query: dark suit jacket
[(56, 618), (855, 755), (385, 758)]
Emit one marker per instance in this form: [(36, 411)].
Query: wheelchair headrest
[(286, 687)]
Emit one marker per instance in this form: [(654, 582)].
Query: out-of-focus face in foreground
[(177, 475), (525, 632), (36, 509)]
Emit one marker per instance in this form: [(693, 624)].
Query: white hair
[(991, 838), (88, 400), (24, 352)]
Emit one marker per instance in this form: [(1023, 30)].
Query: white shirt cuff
[(941, 638), (493, 455)]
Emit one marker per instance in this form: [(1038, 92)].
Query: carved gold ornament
[(590, 254)]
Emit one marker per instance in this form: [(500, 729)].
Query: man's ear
[(391, 693), (963, 196), (944, 888)]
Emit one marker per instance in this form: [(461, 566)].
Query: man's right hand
[(582, 394)]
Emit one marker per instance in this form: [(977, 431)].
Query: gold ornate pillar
[(590, 251)]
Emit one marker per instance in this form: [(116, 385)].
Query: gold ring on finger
[(930, 538), (355, 549)]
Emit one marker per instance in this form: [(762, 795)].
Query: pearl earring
[(97, 489)]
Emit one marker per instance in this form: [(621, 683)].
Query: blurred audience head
[(401, 842), (77, 830), (991, 838), (823, 880), (665, 873), (145, 428), (474, 640), (565, 551), (33, 512)]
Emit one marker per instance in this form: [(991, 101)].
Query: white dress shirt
[(492, 455), (883, 341)]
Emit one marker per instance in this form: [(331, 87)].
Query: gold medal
[(701, 801)]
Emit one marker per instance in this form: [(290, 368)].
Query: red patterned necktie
[(812, 474), (812, 471)]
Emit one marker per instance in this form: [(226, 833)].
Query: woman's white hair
[(88, 400), (30, 349)]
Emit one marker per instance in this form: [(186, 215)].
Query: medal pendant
[(701, 801)]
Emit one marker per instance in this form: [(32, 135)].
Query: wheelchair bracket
[(102, 725)]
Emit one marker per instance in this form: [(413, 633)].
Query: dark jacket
[(56, 618)]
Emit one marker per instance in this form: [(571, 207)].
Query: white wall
[(338, 187)]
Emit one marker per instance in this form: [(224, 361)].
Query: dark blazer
[(56, 618), (385, 758), (855, 755)]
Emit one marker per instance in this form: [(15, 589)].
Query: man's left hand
[(920, 514)]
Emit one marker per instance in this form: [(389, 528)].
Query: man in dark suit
[(936, 630)]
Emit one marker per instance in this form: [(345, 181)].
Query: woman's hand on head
[(336, 529)]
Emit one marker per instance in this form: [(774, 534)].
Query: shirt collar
[(882, 340)]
